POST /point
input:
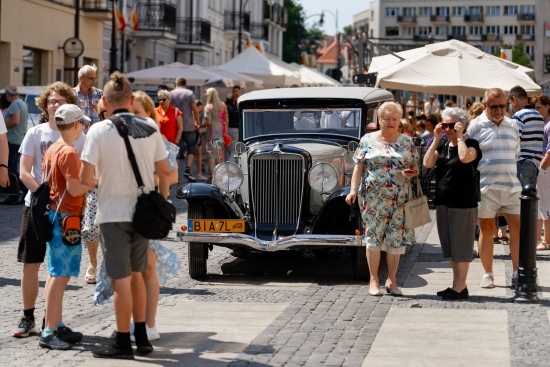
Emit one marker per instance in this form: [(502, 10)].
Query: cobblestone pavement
[(331, 321)]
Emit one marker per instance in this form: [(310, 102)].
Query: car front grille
[(277, 187)]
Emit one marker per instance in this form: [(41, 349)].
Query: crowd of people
[(482, 157)]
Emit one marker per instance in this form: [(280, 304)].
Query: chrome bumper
[(277, 244)]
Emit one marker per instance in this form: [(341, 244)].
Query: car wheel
[(360, 267), (197, 252)]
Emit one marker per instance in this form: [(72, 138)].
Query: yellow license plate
[(216, 225)]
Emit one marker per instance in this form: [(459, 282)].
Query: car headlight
[(228, 176), (323, 177)]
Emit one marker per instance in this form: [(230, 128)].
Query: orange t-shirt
[(168, 123), (67, 166)]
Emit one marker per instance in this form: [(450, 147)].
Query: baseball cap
[(68, 114), (11, 90)]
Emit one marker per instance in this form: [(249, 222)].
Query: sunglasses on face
[(450, 125), (497, 106), (162, 99)]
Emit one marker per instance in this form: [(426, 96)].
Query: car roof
[(363, 93), (29, 89)]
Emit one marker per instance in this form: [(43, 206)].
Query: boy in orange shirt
[(67, 201)]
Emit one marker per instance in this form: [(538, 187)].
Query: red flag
[(133, 19), (120, 22)]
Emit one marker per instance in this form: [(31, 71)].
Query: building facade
[(203, 32), (399, 25)]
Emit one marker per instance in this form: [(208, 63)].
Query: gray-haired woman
[(456, 161)]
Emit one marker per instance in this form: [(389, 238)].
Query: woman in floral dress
[(215, 119), (384, 160)]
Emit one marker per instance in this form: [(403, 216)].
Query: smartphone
[(410, 171)]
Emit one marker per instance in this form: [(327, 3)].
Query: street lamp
[(241, 6), (321, 21), (336, 35)]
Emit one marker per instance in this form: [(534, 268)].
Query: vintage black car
[(293, 168)]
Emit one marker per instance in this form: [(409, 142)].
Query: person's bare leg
[(189, 160), (199, 159), (486, 244), (393, 263), (460, 273), (54, 300), (513, 225), (139, 297), (123, 303), (152, 287), (373, 259), (30, 284), (539, 229), (92, 252), (211, 165), (546, 230)]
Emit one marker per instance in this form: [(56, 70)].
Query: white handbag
[(416, 210)]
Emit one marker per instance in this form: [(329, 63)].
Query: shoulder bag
[(153, 215), (416, 210)]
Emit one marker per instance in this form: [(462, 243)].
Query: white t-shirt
[(35, 143), (118, 191), (3, 128)]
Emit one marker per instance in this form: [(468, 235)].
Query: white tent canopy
[(253, 63), (167, 74), (452, 67), (238, 79), (308, 76)]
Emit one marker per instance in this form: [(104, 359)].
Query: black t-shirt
[(455, 180), (233, 115)]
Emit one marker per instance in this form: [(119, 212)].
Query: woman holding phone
[(456, 161), (384, 161)]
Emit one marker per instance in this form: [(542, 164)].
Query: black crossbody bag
[(153, 215)]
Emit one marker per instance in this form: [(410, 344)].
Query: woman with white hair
[(169, 118), (383, 162), (456, 196), (215, 120)]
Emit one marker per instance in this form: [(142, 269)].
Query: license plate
[(216, 225)]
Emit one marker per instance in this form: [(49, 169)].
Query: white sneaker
[(487, 281), (152, 333)]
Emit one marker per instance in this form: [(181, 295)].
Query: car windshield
[(322, 121)]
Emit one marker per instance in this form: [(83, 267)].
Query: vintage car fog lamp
[(228, 177), (323, 177)]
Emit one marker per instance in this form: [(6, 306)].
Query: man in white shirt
[(4, 152)]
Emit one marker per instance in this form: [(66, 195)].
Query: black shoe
[(144, 348), (188, 176), (454, 295), (446, 291), (69, 336), (53, 341), (114, 351)]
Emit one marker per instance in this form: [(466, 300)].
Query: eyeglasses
[(53, 102), (162, 99), (93, 78), (450, 125), (496, 106)]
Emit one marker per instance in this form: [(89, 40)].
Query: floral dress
[(218, 126), (380, 198)]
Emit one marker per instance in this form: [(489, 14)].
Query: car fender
[(205, 193), (336, 203)]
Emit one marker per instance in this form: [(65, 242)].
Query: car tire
[(360, 266), (197, 252)]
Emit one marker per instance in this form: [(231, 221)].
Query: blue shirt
[(499, 146)]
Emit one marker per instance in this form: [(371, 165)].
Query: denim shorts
[(189, 138)]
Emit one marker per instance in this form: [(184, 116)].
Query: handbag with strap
[(153, 215), (416, 211)]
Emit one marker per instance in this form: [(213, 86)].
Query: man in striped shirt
[(498, 138), (531, 133)]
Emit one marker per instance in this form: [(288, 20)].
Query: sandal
[(543, 246), (91, 275)]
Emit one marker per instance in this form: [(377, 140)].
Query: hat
[(11, 90), (68, 114)]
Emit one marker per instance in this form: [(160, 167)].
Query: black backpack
[(40, 213)]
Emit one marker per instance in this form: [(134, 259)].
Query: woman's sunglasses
[(162, 99), (448, 125)]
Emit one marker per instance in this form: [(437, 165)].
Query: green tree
[(348, 29), (519, 56), (297, 38)]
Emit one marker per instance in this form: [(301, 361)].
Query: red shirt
[(168, 123)]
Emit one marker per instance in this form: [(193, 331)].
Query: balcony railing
[(406, 19), (459, 37), (231, 21), (194, 31), (422, 38), (490, 37), (157, 16), (96, 5), (526, 17), (259, 31), (276, 13), (473, 18), (525, 37), (440, 18)]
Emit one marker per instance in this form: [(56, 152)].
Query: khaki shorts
[(498, 201), (124, 250)]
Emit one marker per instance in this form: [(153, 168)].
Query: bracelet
[(460, 139), (3, 165)]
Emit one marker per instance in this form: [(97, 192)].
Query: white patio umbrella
[(167, 74), (238, 79), (451, 67)]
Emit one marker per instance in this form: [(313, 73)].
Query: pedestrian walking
[(169, 118), (383, 160), (542, 105), (498, 138), (4, 153), (455, 161), (215, 120)]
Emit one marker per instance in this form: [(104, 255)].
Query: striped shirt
[(531, 134), (500, 146)]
